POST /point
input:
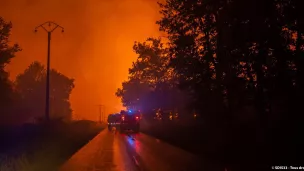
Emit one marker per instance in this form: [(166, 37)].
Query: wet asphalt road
[(113, 151)]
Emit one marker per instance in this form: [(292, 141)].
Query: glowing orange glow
[(95, 49)]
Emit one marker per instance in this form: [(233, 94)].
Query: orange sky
[(96, 48)]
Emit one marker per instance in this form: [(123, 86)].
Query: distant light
[(130, 111)]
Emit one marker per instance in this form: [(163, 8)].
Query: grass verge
[(41, 147), (188, 137)]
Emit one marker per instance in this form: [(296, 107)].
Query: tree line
[(240, 64), (23, 99)]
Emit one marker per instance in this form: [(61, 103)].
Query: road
[(113, 151)]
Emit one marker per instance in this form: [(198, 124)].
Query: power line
[(51, 27)]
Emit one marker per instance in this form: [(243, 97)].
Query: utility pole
[(101, 114), (51, 26)]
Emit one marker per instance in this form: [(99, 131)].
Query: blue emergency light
[(130, 111)]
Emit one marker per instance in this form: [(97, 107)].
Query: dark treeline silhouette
[(240, 65), (23, 100)]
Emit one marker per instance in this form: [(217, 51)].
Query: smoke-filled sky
[(95, 49)]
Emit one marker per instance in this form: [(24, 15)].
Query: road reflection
[(114, 151), (160, 156)]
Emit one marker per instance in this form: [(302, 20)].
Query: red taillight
[(137, 117), (123, 118)]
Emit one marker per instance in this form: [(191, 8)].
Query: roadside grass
[(236, 147), (180, 136), (19, 163), (193, 138), (46, 148)]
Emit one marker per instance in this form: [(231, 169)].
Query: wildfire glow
[(96, 48)]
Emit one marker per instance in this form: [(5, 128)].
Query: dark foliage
[(242, 63)]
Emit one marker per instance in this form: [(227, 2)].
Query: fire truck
[(130, 120), (113, 120)]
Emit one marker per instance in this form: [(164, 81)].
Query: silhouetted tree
[(31, 86), (151, 63), (132, 93), (7, 52), (152, 82)]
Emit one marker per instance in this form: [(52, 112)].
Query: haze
[(95, 49)]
